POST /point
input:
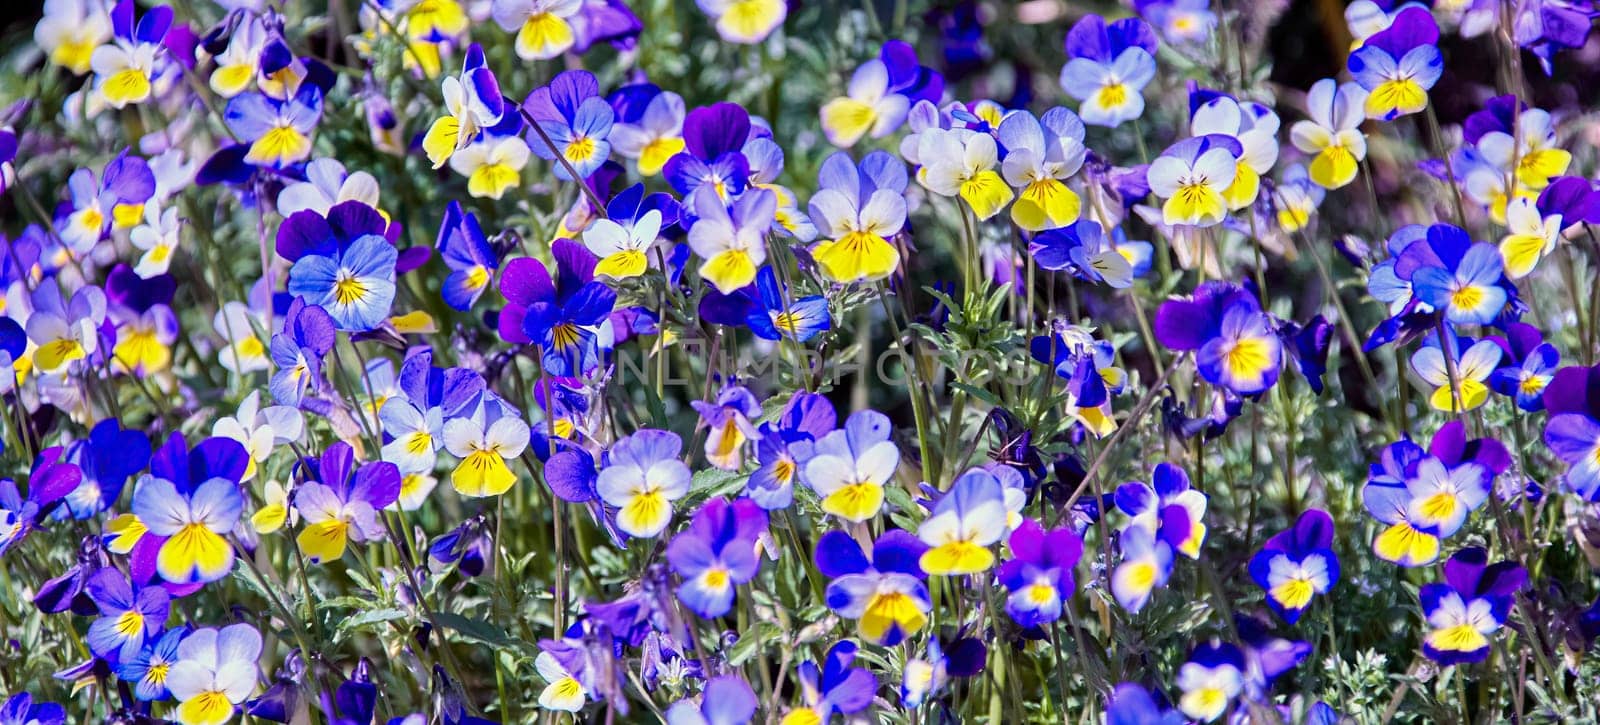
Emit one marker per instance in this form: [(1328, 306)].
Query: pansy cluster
[(447, 361)]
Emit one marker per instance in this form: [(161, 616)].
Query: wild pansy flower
[(1180, 21), (1534, 227), (850, 466), (1252, 124), (415, 436), (466, 251), (542, 26), (961, 163), (1039, 574), (570, 323), (51, 479), (124, 186), (484, 447), (1472, 369), (1426, 496), (1146, 564), (1194, 176), (107, 457), (1573, 431), (775, 317), (859, 208), (716, 554), (642, 477), (125, 70), (342, 505), (260, 430), (712, 162), (71, 30), (241, 328), (1131, 704), (1041, 154), (1469, 606), (158, 238), (745, 21), (64, 332), (146, 326), (1210, 680), (561, 665), (1296, 200), (1333, 134), (472, 103), (297, 352), (835, 687), (343, 262), (1530, 144), (1399, 65), (924, 677), (649, 132), (887, 595), (1460, 278), (727, 700), (216, 670), (786, 444), (966, 521), (240, 62), (148, 670), (732, 240), (1236, 344), (1110, 65), (868, 107), (129, 616), (1083, 250), (1528, 369), (1297, 564), (729, 426), (1156, 508), (192, 499), (623, 247), (571, 113), (19, 709), (527, 282), (492, 165), (328, 184)]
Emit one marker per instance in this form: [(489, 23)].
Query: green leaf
[(751, 642), (481, 631)]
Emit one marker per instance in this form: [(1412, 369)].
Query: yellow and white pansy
[(745, 21), (1255, 126), (240, 62), (483, 452), (1193, 176), (655, 137), (1530, 236), (71, 30), (158, 238), (961, 163), (415, 436), (543, 27), (260, 430), (642, 478), (623, 249), (1333, 132), (1041, 153), (243, 332), (492, 165), (867, 108), (1532, 150), (472, 103)]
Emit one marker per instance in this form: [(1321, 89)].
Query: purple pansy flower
[(716, 554), (1297, 564)]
